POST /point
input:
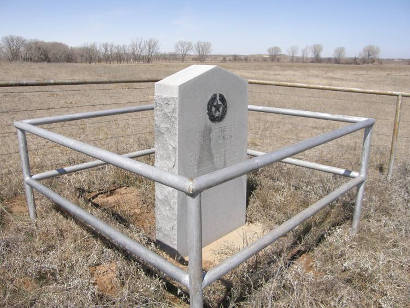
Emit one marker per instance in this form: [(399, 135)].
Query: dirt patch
[(127, 206), (26, 283), (307, 263), (106, 279), (17, 205), (229, 244)]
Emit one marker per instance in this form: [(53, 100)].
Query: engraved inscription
[(216, 149)]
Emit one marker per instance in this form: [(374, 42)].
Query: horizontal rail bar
[(87, 115), (212, 179), (70, 82), (329, 88), (306, 114), (114, 235), (94, 114), (97, 163), (232, 262), (311, 165), (178, 182), (87, 165), (251, 81)]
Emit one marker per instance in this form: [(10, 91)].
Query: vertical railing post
[(395, 136), (363, 173), (21, 135), (194, 229)]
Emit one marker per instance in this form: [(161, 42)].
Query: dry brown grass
[(369, 270), (318, 264)]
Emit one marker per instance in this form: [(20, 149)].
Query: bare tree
[(317, 51), (370, 53), (306, 53), (2, 56), (137, 50), (236, 58), (126, 54), (88, 53), (118, 54), (35, 51), (58, 52), (13, 46), (40, 51), (183, 48), (292, 52), (151, 48), (203, 50), (274, 53), (106, 51), (339, 54)]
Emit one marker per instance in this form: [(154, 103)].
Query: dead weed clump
[(283, 191), (276, 194), (367, 270)]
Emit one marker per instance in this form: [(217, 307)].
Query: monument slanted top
[(169, 86)]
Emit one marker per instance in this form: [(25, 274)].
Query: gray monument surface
[(201, 125)]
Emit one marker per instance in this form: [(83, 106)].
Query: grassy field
[(58, 262)]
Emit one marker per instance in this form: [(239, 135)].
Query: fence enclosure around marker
[(194, 279), (280, 127)]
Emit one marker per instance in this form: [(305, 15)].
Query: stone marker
[(201, 125)]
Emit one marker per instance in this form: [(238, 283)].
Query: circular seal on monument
[(217, 107)]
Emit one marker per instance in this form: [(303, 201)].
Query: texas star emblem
[(217, 107)]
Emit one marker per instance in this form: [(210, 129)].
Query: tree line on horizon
[(313, 53), (17, 48)]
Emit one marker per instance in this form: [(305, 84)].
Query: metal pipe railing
[(87, 115), (70, 82), (310, 165), (306, 114), (328, 88), (250, 81), (194, 280), (87, 165), (25, 164), (178, 182), (114, 235), (97, 163), (364, 165), (194, 227), (232, 262), (220, 176)]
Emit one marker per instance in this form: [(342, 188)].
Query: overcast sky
[(241, 27)]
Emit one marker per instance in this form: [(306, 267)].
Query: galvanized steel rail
[(329, 88), (195, 280), (249, 251), (47, 83)]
